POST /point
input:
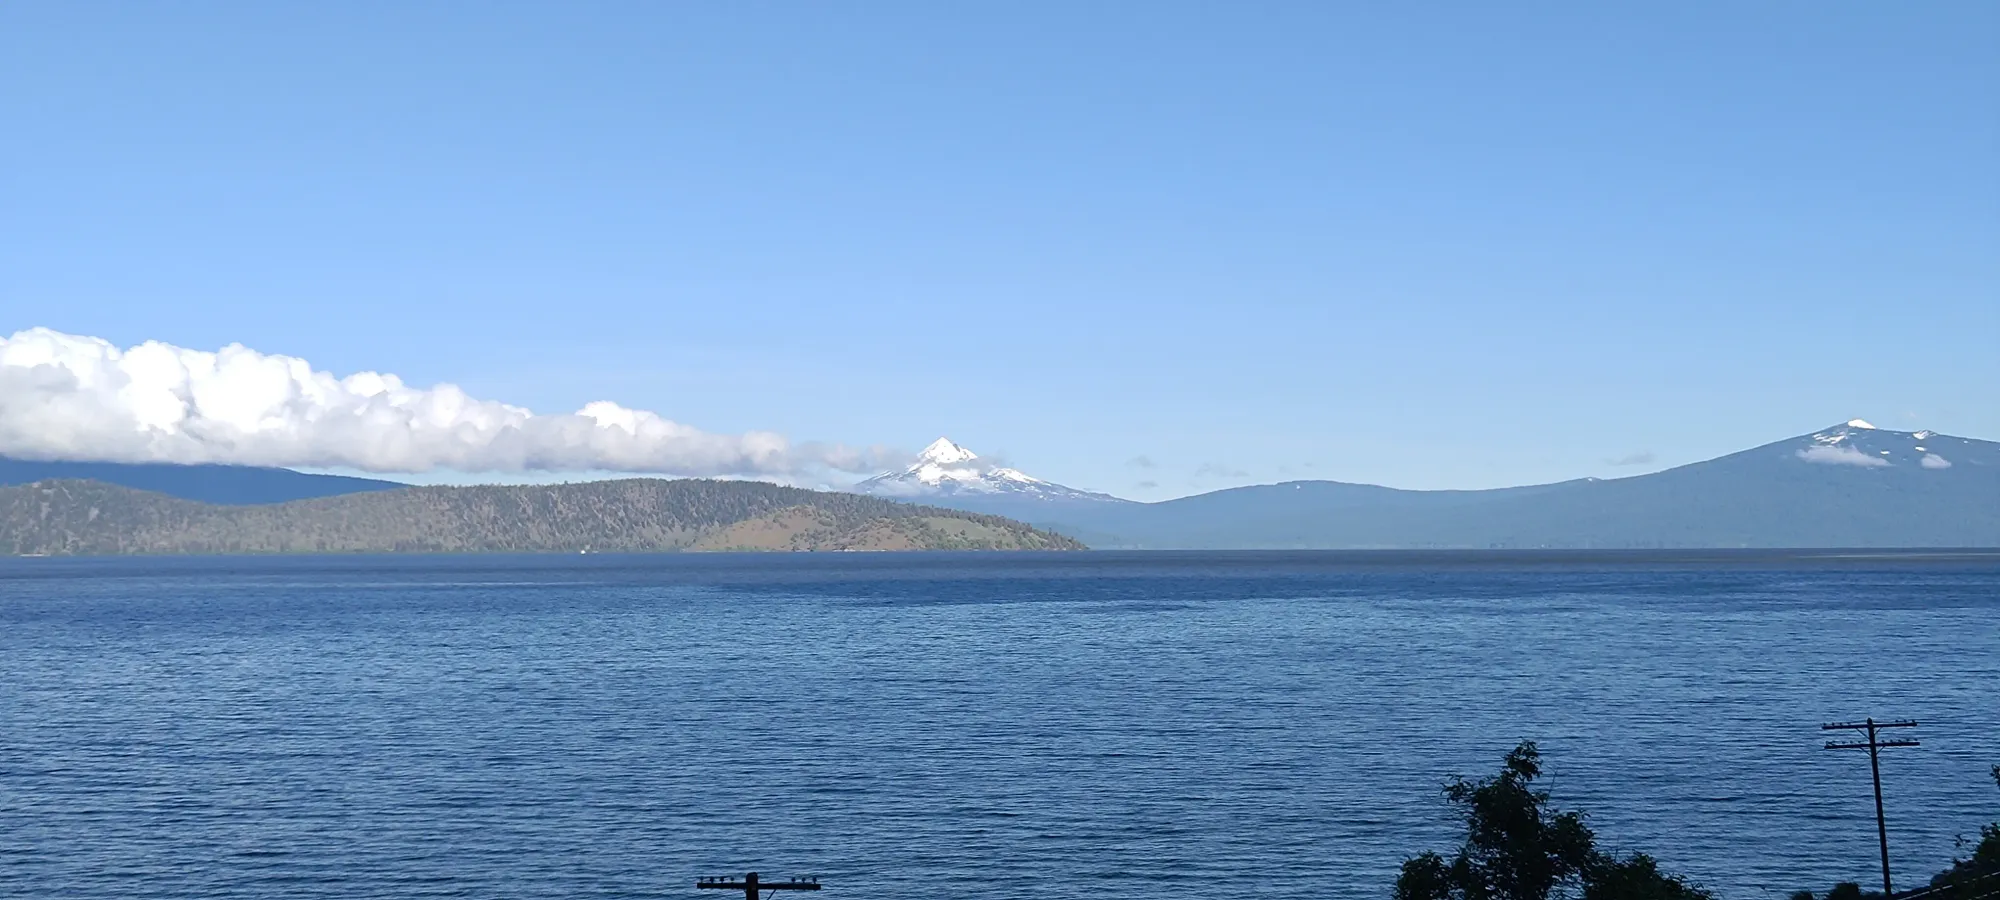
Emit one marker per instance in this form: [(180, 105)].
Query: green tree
[(1636, 877), (1977, 875), (1518, 846), (1974, 877)]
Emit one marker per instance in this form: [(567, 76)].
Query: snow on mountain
[(1858, 443), (946, 470)]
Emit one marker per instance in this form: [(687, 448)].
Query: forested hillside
[(634, 515)]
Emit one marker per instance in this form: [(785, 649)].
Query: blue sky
[(1445, 245)]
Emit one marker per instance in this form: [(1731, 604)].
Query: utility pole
[(749, 885), (1873, 745)]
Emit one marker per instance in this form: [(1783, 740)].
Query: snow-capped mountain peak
[(945, 469), (945, 453), (1860, 444), (1852, 429)]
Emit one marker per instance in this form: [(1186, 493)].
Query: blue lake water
[(1052, 726)]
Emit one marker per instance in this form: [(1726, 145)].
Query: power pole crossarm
[(750, 885), (1863, 745)]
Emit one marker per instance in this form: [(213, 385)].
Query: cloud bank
[(1840, 455), (63, 396)]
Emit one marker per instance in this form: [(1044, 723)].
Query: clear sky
[(1144, 248)]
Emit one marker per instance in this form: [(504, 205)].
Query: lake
[(1055, 726)]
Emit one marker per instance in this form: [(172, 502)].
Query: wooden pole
[(1874, 746)]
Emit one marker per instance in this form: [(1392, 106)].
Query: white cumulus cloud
[(1934, 461), (63, 396), (1840, 455)]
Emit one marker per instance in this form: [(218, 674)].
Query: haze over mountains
[(1851, 485), (202, 483)]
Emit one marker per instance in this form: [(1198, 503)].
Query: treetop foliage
[(1519, 846)]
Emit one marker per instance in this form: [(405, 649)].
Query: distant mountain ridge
[(1851, 485), (203, 483), (632, 515)]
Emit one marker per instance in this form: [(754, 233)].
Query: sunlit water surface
[(1092, 725)]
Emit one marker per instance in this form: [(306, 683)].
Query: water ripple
[(1206, 725)]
